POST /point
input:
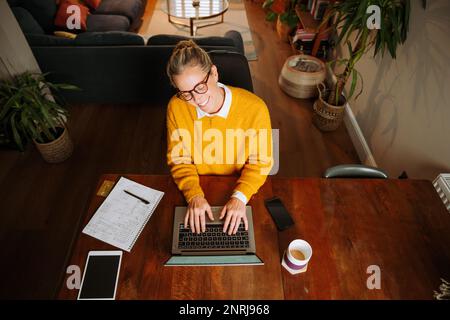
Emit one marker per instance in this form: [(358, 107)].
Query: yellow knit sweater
[(240, 143)]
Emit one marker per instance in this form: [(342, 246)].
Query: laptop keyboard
[(213, 238)]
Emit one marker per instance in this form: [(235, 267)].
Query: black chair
[(355, 171)]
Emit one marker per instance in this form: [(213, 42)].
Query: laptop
[(213, 247)]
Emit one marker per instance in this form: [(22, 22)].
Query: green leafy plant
[(285, 9), (28, 111), (351, 19)]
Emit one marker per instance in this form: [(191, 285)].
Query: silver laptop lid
[(180, 213)]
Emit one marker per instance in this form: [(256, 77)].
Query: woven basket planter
[(298, 83), (57, 150), (327, 117)]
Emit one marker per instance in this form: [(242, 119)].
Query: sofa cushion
[(43, 11), (168, 40), (237, 39), (44, 40), (103, 22), (232, 40), (26, 21), (108, 38), (62, 16), (131, 9)]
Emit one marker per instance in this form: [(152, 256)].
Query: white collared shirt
[(223, 113)]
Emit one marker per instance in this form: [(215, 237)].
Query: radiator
[(442, 185)]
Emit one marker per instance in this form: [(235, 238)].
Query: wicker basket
[(57, 150), (327, 117), (301, 84)]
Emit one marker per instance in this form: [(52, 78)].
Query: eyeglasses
[(199, 88)]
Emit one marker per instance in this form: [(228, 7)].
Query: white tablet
[(100, 275)]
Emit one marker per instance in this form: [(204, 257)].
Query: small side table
[(196, 11)]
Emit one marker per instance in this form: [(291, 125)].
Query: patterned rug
[(234, 19)]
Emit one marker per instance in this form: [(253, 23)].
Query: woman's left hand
[(235, 211)]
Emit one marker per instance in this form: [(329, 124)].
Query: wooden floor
[(41, 205)]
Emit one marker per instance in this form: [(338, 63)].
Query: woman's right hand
[(195, 215)]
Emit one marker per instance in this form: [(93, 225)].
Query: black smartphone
[(100, 276), (279, 214)]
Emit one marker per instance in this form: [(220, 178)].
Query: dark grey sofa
[(130, 73), (118, 66), (111, 15)]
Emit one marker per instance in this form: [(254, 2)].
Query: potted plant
[(351, 18), (283, 11), (28, 111)]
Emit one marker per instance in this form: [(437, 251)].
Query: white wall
[(404, 111), (15, 54)]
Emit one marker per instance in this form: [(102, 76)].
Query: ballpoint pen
[(137, 197)]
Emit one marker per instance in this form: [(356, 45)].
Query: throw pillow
[(65, 34), (92, 3), (62, 15)]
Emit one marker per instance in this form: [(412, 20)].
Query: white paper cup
[(296, 263)]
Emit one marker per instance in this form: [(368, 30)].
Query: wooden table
[(399, 225)]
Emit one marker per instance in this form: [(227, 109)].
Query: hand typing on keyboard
[(195, 215), (234, 211)]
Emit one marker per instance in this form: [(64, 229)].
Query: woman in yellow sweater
[(214, 129)]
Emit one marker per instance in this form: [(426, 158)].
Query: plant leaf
[(267, 4), (15, 132), (353, 85), (362, 84), (65, 86), (271, 16)]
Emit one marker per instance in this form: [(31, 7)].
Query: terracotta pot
[(327, 117), (283, 30), (57, 150)]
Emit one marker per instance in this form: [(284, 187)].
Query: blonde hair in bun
[(187, 54)]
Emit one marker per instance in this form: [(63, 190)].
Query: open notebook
[(123, 215)]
